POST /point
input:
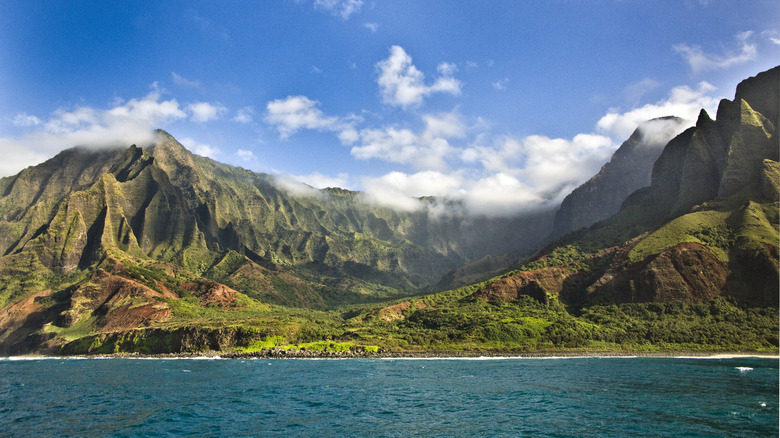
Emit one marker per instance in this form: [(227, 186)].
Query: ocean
[(510, 397)]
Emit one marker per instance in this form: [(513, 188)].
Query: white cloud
[(17, 155), (700, 61), (244, 115), (294, 113), (25, 120), (204, 111), (289, 184), (203, 150), (402, 84), (555, 167), (445, 125), (321, 181), (547, 168), (656, 133), (342, 8), (634, 92), (184, 82), (373, 27), (244, 158), (429, 149), (683, 102), (124, 124), (500, 195), (501, 84), (246, 155), (400, 191), (515, 175), (425, 183), (772, 36), (299, 112)]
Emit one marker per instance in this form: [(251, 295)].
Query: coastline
[(420, 355)]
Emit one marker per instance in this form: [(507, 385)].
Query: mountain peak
[(164, 141), (629, 169), (761, 92)]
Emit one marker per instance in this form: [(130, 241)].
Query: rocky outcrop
[(119, 303), (399, 311), (160, 341), (535, 284), (211, 293), (687, 272), (20, 321)]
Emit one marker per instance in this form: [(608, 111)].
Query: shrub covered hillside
[(156, 250)]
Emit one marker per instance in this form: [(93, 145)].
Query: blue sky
[(505, 105)]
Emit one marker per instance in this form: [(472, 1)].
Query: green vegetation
[(703, 227), (156, 250)]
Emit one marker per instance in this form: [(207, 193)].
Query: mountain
[(94, 231), (688, 263), (706, 226), (79, 209), (628, 170), (152, 249)]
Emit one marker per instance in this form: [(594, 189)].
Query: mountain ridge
[(165, 203), (711, 205), (154, 249), (629, 169)]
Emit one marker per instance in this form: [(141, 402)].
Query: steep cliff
[(629, 169), (706, 226), (66, 216), (108, 240)]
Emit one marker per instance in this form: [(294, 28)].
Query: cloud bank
[(683, 102), (458, 159), (443, 154), (123, 124)]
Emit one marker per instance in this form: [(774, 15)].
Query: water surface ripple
[(390, 398)]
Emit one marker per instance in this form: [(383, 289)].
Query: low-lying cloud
[(429, 149), (683, 102), (457, 159), (125, 123)]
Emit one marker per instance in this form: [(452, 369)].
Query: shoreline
[(420, 355)]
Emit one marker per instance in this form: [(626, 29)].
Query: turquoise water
[(390, 397)]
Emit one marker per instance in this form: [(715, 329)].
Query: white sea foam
[(731, 356), (743, 369), (23, 358), (507, 358)]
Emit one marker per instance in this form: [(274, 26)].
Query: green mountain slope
[(166, 204), (688, 263), (152, 249), (707, 225), (176, 217)]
